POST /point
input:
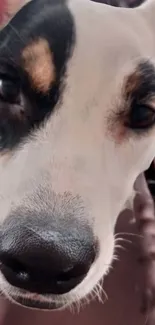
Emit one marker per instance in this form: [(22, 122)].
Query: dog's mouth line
[(35, 297), (35, 301)]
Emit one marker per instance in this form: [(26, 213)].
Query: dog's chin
[(36, 303)]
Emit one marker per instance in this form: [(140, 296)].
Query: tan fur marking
[(133, 82), (38, 63), (151, 101), (117, 128)]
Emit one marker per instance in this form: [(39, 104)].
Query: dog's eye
[(9, 91), (141, 117)]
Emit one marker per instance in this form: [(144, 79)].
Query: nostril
[(12, 263), (71, 273), (12, 268)]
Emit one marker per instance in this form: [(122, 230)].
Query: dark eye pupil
[(9, 91), (141, 117)]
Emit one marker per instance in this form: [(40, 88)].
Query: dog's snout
[(46, 258)]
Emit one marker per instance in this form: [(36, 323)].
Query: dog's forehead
[(114, 36)]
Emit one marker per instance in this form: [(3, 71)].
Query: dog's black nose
[(45, 258)]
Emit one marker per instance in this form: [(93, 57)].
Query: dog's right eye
[(14, 113), (9, 91), (141, 117)]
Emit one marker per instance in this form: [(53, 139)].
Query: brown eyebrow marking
[(140, 84), (39, 64), (132, 83), (138, 88)]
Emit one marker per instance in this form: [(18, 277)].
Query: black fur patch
[(139, 93), (143, 82), (47, 19)]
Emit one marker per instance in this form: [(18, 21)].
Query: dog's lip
[(35, 303)]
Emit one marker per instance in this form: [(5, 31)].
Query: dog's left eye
[(141, 117), (9, 91)]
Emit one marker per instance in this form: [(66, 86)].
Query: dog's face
[(77, 126)]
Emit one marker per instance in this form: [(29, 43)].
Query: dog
[(77, 127)]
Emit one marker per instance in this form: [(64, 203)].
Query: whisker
[(127, 234), (117, 240), (120, 247), (115, 258)]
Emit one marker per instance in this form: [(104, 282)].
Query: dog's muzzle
[(43, 255)]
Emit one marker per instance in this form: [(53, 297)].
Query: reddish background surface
[(2, 9)]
